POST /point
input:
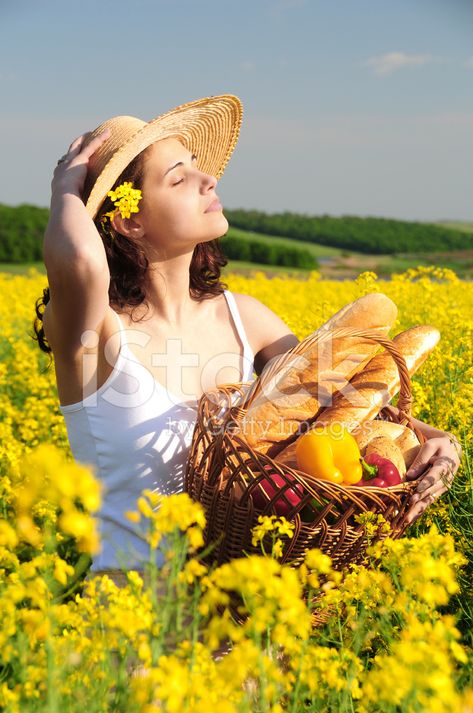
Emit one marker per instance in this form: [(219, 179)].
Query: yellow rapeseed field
[(397, 636)]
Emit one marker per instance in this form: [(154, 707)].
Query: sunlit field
[(396, 638)]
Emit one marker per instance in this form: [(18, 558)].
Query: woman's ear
[(130, 227)]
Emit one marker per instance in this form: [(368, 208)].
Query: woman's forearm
[(425, 428), (71, 233)]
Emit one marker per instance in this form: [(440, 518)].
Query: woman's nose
[(208, 182)]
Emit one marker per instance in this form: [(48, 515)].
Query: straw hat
[(208, 127)]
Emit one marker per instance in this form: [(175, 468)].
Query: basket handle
[(405, 393)]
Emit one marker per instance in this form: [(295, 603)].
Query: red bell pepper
[(379, 472), (273, 483)]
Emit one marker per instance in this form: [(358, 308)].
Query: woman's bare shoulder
[(256, 313), (265, 329)]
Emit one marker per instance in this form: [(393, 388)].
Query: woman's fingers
[(444, 455), (420, 501), (442, 471), (93, 145), (439, 478), (423, 459), (75, 148), (417, 510), (71, 170), (77, 142), (430, 487)]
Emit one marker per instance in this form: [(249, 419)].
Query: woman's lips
[(215, 205)]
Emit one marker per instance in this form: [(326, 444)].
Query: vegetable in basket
[(330, 453), (393, 441), (314, 507), (273, 483), (378, 472)]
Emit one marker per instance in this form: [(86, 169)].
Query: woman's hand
[(70, 172), (71, 234), (443, 454)]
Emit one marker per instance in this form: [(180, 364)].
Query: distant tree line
[(366, 235), (22, 229), (21, 232), (266, 252)]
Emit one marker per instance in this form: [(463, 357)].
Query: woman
[(136, 316)]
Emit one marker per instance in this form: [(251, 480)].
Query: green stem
[(371, 471)]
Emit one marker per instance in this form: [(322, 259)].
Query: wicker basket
[(223, 471)]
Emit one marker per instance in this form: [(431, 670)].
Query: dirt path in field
[(348, 267)]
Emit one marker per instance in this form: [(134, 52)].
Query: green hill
[(457, 225), (318, 251), (365, 235)]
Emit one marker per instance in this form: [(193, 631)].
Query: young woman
[(136, 315)]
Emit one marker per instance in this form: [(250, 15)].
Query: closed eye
[(180, 163)]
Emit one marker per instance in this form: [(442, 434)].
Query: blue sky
[(360, 107)]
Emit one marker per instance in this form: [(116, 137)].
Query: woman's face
[(179, 207)]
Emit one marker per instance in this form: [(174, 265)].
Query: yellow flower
[(192, 570), (8, 536), (133, 516), (387, 624), (270, 523), (62, 570), (125, 199)]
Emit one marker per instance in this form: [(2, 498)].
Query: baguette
[(304, 382), (375, 386), (372, 389)]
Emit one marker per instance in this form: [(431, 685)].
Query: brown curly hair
[(128, 263)]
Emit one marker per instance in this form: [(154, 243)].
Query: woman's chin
[(220, 226)]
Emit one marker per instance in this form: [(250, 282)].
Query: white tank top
[(135, 434)]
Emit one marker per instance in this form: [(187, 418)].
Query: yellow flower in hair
[(109, 215), (125, 198)]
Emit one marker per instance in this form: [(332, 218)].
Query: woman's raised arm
[(74, 255)]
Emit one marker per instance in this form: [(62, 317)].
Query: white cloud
[(469, 63), (392, 61), (247, 65)]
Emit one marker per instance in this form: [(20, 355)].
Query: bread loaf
[(372, 389), (387, 448), (305, 382), (403, 436)]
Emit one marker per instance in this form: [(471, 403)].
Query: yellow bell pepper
[(330, 453)]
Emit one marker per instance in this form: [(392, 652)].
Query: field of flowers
[(397, 637)]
